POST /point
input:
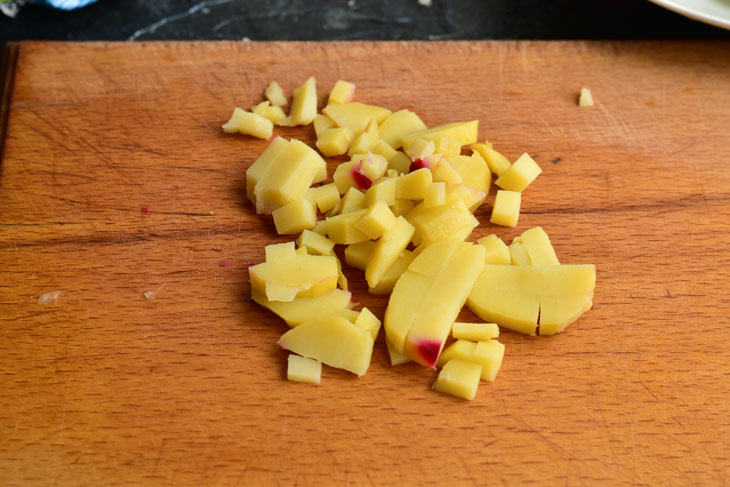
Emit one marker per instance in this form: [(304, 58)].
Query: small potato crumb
[(50, 298), (585, 99)]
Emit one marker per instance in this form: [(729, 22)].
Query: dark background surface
[(356, 19)]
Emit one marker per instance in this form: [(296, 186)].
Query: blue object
[(68, 4), (11, 7)]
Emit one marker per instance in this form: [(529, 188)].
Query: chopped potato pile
[(403, 206)]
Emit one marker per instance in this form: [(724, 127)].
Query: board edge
[(7, 77)]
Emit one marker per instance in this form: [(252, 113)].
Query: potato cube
[(452, 220), (400, 123), (459, 378), (315, 243), (586, 98), (421, 149), (361, 144), (387, 250), (520, 174), (475, 331), (321, 227), (506, 209), (497, 250), (358, 254), (342, 92), (471, 197), (360, 172), (326, 197), (334, 141), (447, 146), (368, 322), (518, 254), (489, 355), (322, 123), (354, 115), (381, 147), (302, 369), (294, 217), (341, 228), (283, 173), (248, 123), (435, 195), (412, 186), (275, 94), (391, 276), (352, 201), (377, 220), (402, 206), (463, 132), (473, 170), (304, 103), (383, 190), (274, 114), (400, 162), (460, 349), (443, 170), (279, 251)]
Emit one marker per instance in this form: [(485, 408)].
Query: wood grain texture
[(188, 389)]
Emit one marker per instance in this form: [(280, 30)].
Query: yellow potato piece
[(315, 243), (334, 141), (355, 115), (520, 174), (304, 103), (294, 217), (387, 250), (377, 220), (506, 209), (341, 228), (368, 322), (302, 369), (335, 302), (353, 200), (442, 304), (248, 123), (342, 92), (518, 254), (334, 341), (514, 296), (497, 162), (536, 244), (275, 94), (391, 276), (463, 132), (301, 275), (497, 251), (474, 331), (285, 174), (459, 378), (398, 124), (358, 254), (322, 123)]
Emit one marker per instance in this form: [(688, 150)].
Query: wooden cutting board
[(116, 180)]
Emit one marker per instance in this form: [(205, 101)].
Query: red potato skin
[(362, 181)]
